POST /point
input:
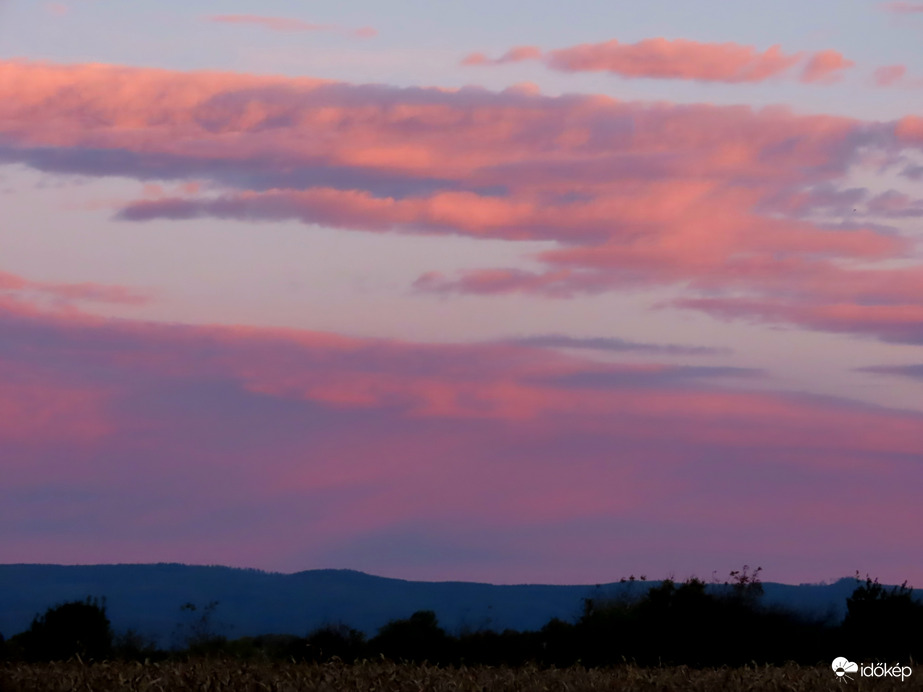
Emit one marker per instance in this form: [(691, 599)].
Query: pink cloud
[(475, 59), (910, 129), (164, 439), (712, 199), (66, 293), (903, 7), (503, 381), (825, 67), (899, 322), (517, 54), (286, 24), (889, 75), (660, 58)]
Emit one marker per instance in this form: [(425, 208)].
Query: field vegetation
[(385, 676)]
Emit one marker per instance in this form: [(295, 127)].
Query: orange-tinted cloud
[(715, 200), (910, 129), (475, 59), (660, 58), (518, 54), (826, 66)]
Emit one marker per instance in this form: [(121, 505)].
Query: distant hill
[(147, 598)]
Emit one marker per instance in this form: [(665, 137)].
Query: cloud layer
[(292, 449), (746, 213)]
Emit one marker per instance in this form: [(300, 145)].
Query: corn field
[(384, 676)]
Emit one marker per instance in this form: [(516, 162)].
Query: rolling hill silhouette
[(147, 598)]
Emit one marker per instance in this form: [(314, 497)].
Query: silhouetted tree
[(557, 644), (745, 586), (77, 628), (418, 638), (881, 623), (694, 624)]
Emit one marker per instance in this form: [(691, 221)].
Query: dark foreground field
[(385, 676)]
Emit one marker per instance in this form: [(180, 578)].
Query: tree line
[(672, 623)]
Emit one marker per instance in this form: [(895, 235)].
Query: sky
[(497, 291)]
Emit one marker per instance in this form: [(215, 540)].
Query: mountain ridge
[(148, 598)]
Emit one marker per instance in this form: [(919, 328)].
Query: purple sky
[(496, 291)]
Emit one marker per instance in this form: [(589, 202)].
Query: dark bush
[(883, 624), (416, 639), (77, 628)]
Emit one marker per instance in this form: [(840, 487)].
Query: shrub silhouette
[(417, 639), (335, 641), (76, 628), (665, 625), (693, 624), (883, 624), (557, 645)]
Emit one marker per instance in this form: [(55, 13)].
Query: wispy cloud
[(287, 24), (13, 285), (889, 75), (660, 58), (650, 377), (912, 371), (517, 54), (601, 343), (825, 67)]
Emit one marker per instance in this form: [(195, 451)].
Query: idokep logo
[(842, 666)]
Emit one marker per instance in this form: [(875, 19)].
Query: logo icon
[(841, 666)]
